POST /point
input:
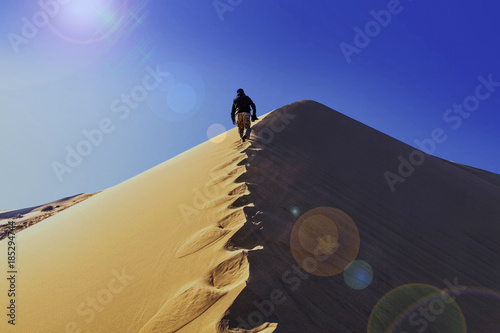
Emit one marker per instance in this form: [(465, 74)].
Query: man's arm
[(252, 104), (233, 110)]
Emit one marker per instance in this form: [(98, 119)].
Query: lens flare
[(324, 241), (180, 94), (358, 275), (216, 133), (182, 98), (415, 308), (295, 211), (88, 21)]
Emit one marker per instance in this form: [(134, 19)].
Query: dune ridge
[(194, 299), (438, 228), (197, 297), (202, 242), (163, 233)]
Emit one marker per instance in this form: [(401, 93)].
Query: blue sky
[(72, 73)]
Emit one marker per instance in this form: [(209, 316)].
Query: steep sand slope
[(440, 226), (144, 256), (202, 242)]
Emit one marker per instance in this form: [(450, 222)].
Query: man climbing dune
[(240, 114)]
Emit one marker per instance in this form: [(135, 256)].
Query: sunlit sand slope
[(24, 218), (144, 256)]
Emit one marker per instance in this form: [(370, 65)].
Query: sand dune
[(147, 255), (260, 237), (440, 227), (24, 218)]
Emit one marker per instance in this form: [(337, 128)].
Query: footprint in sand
[(227, 202), (241, 201), (230, 175), (227, 164), (242, 145), (222, 200), (182, 309), (200, 240), (264, 328), (232, 220), (194, 300), (239, 190), (230, 272)]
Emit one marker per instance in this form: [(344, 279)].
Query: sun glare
[(89, 20)]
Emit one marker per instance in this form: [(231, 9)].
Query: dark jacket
[(242, 103)]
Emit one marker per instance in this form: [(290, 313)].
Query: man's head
[(240, 91)]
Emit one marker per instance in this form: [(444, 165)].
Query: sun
[(87, 21)]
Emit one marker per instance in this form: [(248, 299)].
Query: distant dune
[(297, 230), (26, 217)]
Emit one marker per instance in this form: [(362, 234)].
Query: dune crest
[(230, 237), (194, 300), (229, 272), (171, 247), (200, 240), (441, 225), (181, 309)]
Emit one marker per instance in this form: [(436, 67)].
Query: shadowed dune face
[(326, 233), (294, 231), (439, 228)]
